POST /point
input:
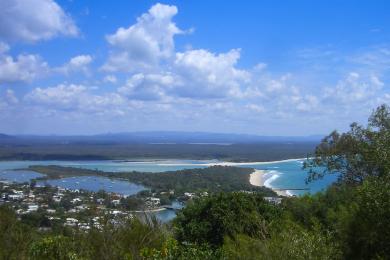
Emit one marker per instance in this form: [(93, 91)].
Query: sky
[(257, 67)]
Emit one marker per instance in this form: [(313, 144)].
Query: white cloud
[(25, 67), (256, 108), (143, 44), (61, 96), (206, 74), (4, 47), (75, 99), (147, 87), (76, 64), (34, 20), (110, 79), (354, 88), (10, 97)]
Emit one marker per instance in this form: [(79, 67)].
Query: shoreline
[(147, 160), (222, 163), (148, 210), (256, 178)]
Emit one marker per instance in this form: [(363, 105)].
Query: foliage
[(357, 154), (209, 220), (15, 236), (53, 248), (350, 220), (24, 149), (173, 250), (369, 234), (287, 241)]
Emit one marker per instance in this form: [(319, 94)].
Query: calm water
[(19, 176), (94, 183), (285, 175), (290, 175)]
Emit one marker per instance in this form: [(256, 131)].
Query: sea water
[(95, 183), (283, 174)]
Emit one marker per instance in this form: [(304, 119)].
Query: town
[(47, 207)]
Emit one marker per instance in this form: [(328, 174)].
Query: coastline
[(148, 210), (232, 163), (257, 179)]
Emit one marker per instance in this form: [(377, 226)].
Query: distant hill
[(157, 145), (4, 136), (159, 137)]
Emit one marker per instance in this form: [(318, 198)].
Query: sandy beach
[(232, 163), (148, 210), (257, 179)]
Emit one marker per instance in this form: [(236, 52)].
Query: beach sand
[(232, 163), (257, 179)]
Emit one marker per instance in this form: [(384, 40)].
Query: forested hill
[(262, 151)]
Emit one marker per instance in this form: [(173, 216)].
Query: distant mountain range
[(158, 137)]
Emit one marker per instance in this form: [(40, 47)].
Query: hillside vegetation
[(350, 220)]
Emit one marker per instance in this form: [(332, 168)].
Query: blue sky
[(259, 67)]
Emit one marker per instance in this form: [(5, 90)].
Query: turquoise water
[(94, 183), (284, 175), (115, 166), (290, 175), (18, 176)]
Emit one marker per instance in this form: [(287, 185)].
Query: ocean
[(282, 174)]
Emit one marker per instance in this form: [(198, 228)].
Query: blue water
[(95, 183), (165, 215), (290, 175), (284, 175), (19, 176)]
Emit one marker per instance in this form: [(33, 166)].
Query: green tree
[(53, 248), (209, 220), (357, 154), (15, 237), (369, 234)]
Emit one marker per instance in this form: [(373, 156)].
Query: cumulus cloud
[(34, 20), (4, 47), (143, 44), (76, 64), (75, 98), (206, 74), (354, 88), (150, 81), (110, 79), (147, 87), (256, 108), (10, 97), (25, 67)]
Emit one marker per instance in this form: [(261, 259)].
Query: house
[(273, 200), (15, 196), (204, 194), (84, 226), (189, 195), (82, 207), (116, 202), (76, 200), (152, 202), (71, 222), (32, 208)]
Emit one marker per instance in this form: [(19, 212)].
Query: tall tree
[(357, 154)]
